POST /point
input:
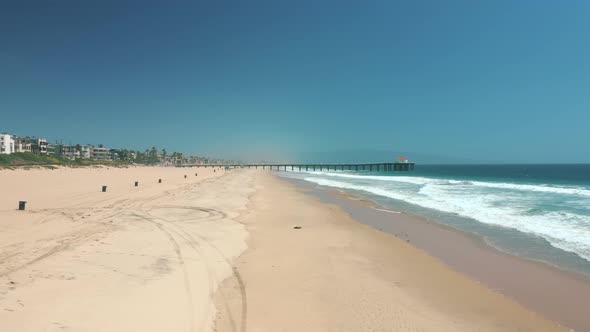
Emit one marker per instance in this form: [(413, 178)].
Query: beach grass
[(31, 159)]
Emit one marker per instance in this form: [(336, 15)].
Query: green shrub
[(31, 159)]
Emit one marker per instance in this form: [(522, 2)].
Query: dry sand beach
[(218, 252), (131, 259)]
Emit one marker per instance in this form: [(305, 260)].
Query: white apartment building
[(86, 151), (6, 144), (101, 153), (28, 144), (22, 144), (69, 151), (40, 146)]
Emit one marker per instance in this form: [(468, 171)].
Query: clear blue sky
[(505, 81)]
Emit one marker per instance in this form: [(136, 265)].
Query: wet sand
[(563, 296)]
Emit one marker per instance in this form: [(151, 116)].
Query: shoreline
[(557, 293), (311, 266), (480, 239), (242, 249)]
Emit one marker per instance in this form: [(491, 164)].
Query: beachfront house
[(66, 151), (31, 145), (101, 153), (52, 149), (22, 144), (39, 146), (69, 151), (6, 144), (86, 151)]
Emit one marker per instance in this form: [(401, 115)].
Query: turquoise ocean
[(539, 212)]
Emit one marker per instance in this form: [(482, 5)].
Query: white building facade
[(101, 153), (86, 151), (6, 144)]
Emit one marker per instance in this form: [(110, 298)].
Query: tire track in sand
[(195, 245), (187, 282)]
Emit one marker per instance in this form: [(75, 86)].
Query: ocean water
[(540, 212)]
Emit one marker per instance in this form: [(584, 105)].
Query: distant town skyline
[(453, 81), (18, 150)]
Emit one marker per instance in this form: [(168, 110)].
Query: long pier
[(377, 167)]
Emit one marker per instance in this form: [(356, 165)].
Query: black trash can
[(104, 189), (136, 183), (21, 205), (159, 180)]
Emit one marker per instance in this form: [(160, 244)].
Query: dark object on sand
[(21, 205), (159, 180), (136, 183), (185, 176), (297, 227), (196, 174), (104, 189)]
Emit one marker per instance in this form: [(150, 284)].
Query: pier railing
[(377, 167)]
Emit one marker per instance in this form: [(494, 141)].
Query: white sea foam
[(565, 230), (388, 211), (571, 190)]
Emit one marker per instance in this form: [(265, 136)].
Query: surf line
[(388, 211)]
